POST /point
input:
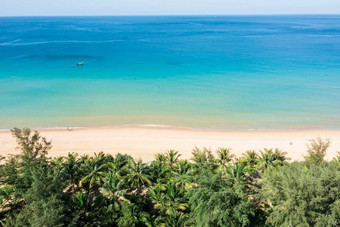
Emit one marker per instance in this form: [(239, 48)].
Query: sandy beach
[(145, 141)]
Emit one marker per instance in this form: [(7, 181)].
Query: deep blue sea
[(223, 72)]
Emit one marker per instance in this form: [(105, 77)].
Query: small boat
[(80, 63)]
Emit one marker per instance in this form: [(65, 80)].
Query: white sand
[(144, 142)]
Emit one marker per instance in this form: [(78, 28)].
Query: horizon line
[(177, 15)]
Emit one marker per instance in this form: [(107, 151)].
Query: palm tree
[(137, 175), (238, 172), (158, 167), (132, 215), (202, 156), (101, 158), (116, 166), (174, 204), (251, 157), (57, 162), (82, 205), (113, 187), (122, 160), (95, 171), (169, 200), (160, 158), (172, 158), (81, 200), (71, 167), (182, 168), (157, 195), (270, 159), (280, 155), (224, 156)]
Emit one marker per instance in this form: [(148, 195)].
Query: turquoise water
[(205, 72)]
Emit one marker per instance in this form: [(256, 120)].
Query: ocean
[(217, 72)]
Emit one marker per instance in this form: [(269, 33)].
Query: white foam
[(16, 43), (152, 125)]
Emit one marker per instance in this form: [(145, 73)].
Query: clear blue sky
[(165, 7)]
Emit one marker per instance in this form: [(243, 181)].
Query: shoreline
[(143, 141), (157, 126)]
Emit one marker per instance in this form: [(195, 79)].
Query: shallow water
[(204, 72)]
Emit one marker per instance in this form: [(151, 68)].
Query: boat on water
[(80, 63)]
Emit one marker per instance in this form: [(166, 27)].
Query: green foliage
[(215, 202), (43, 205), (336, 160), (301, 196), (132, 215), (137, 175), (172, 158), (95, 170), (48, 212), (251, 157), (208, 190), (224, 156), (316, 150), (202, 159), (31, 144), (270, 159), (170, 203)]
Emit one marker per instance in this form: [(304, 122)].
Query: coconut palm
[(71, 168), (113, 187), (95, 171), (122, 160), (280, 155), (172, 158), (224, 156), (57, 162), (157, 195), (251, 157), (116, 167), (168, 199), (137, 175), (81, 200), (132, 215), (160, 158), (270, 159), (237, 172), (82, 204), (158, 169), (182, 168)]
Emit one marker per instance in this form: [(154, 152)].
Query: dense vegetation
[(211, 189)]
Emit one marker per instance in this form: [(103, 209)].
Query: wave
[(10, 42), (150, 125), (15, 43), (331, 35), (54, 57), (19, 57)]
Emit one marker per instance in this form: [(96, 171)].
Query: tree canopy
[(213, 188)]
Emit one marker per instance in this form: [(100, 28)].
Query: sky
[(165, 7)]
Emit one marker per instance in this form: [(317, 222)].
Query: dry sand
[(143, 142)]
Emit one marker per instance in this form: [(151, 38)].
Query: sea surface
[(220, 72)]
